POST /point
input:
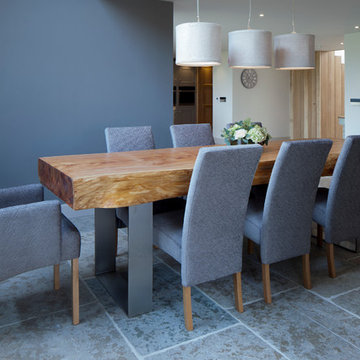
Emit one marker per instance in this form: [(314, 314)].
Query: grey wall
[(70, 68)]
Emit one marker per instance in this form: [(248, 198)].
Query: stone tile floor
[(323, 323)]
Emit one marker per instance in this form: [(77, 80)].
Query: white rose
[(239, 134)]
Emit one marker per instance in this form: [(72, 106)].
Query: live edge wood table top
[(122, 179)]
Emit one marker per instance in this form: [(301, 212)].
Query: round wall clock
[(249, 78)]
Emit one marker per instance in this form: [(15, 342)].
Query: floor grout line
[(332, 332), (344, 293), (333, 303), (200, 337), (44, 315)]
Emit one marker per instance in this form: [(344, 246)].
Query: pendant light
[(250, 49), (294, 51), (198, 43)]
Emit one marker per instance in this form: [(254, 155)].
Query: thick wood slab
[(131, 178)]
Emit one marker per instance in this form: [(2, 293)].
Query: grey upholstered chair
[(129, 138), (35, 234), (191, 135), (208, 242), (338, 209), (280, 221)]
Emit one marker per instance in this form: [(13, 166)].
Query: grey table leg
[(134, 291), (105, 240), (140, 268)]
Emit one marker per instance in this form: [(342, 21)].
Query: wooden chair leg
[(187, 308), (320, 234), (266, 282), (250, 247), (330, 260), (238, 292), (57, 277), (75, 290), (306, 271)]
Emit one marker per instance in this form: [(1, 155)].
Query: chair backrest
[(129, 138), (215, 212), (229, 125), (343, 205), (191, 135), (290, 198)]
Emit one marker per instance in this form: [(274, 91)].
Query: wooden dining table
[(135, 180)]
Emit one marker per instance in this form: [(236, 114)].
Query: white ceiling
[(329, 20)]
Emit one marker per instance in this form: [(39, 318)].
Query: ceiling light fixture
[(294, 51), (357, 27), (261, 15), (250, 49), (198, 43)]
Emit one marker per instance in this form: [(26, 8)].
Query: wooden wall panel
[(304, 112), (318, 98), (204, 95)]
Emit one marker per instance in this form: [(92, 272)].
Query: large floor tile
[(164, 326), (53, 337), (234, 343), (31, 294), (296, 324)]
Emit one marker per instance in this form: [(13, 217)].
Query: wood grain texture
[(56, 277), (306, 271), (266, 283), (238, 292), (204, 95), (330, 260), (75, 291), (187, 308), (317, 98), (132, 178)]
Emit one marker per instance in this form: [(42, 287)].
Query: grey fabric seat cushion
[(254, 215), (70, 240), (168, 232), (319, 213)]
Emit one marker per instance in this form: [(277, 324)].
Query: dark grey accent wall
[(70, 68)]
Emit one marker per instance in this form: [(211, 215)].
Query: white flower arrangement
[(240, 134), (246, 132)]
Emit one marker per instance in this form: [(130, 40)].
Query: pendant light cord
[(249, 19), (198, 11), (293, 17)]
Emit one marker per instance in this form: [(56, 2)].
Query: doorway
[(192, 95)]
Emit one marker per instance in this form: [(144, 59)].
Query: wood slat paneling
[(318, 98), (204, 95)]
